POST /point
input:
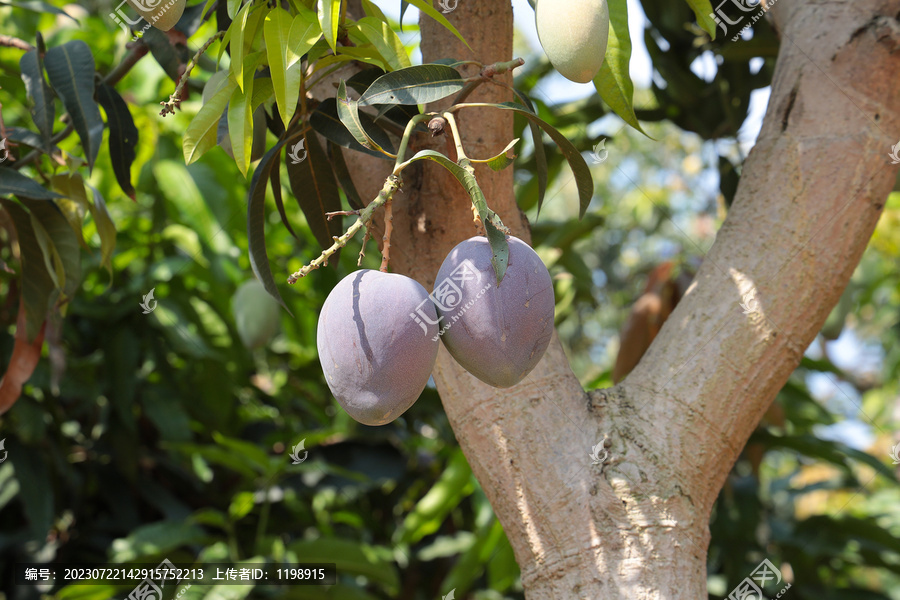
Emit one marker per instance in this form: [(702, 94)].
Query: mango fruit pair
[(378, 333)]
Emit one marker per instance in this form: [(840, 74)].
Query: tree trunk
[(811, 192)]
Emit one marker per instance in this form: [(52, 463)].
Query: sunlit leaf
[(200, 135), (380, 35), (704, 12), (426, 7), (414, 85), (329, 19)]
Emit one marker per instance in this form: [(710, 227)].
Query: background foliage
[(144, 436)]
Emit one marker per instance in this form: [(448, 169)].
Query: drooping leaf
[(583, 178), (329, 19), (275, 179), (232, 7), (493, 226), (704, 12), (200, 135), (501, 160), (13, 183), (106, 229), (326, 121), (243, 32), (287, 40), (163, 51), (64, 244), (37, 285), (38, 7), (540, 155), (426, 7), (43, 107), (613, 82), (123, 136), (414, 85), (342, 173), (388, 44), (256, 219), (313, 185), (240, 117), (348, 112), (52, 260), (70, 69)]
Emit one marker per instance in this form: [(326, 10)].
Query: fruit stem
[(407, 135), (391, 185), (386, 239), (457, 139)]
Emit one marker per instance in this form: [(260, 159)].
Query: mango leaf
[(14, 183), (37, 285), (540, 155), (232, 7), (256, 219), (429, 513), (275, 180), (388, 44), (502, 160), (74, 205), (348, 112), (155, 539), (313, 184), (583, 179), (287, 40), (106, 229), (200, 135), (426, 7), (342, 173), (123, 136), (329, 18), (613, 82), (704, 12), (163, 51), (38, 7), (326, 121), (62, 244), (493, 226), (70, 69), (414, 85), (240, 119), (351, 557), (244, 30), (43, 107)]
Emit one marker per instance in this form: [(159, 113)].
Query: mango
[(574, 35)]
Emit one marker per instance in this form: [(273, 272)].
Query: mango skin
[(162, 14), (574, 35), (257, 315), (375, 356), (499, 334)]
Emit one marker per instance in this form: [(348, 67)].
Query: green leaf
[(37, 285), (241, 505), (583, 178), (613, 82), (540, 155), (200, 135), (426, 7), (329, 19), (351, 558), (313, 184), (240, 119), (250, 453), (62, 244), (414, 85), (704, 12), (106, 229), (70, 69), (502, 160), (275, 179), (348, 112), (232, 7), (155, 539), (244, 30), (38, 7), (388, 44), (277, 31), (493, 226), (123, 136), (429, 513), (344, 179), (43, 107), (256, 220), (326, 121), (14, 183)]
